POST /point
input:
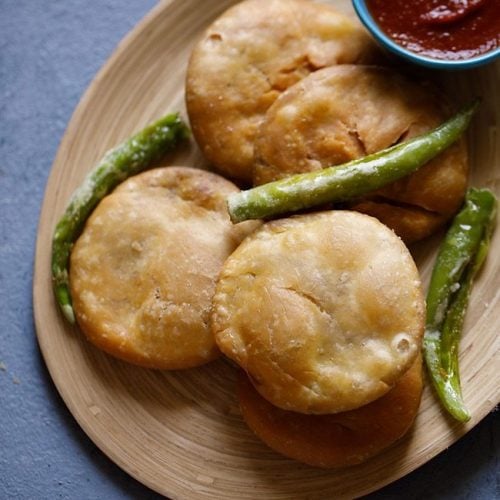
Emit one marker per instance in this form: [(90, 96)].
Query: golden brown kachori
[(337, 440), (324, 311), (143, 271), (346, 112), (248, 57)]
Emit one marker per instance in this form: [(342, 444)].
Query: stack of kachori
[(324, 311), (325, 314), (248, 57)]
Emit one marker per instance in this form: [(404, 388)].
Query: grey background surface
[(49, 52)]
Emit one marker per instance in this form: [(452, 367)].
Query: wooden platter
[(180, 433)]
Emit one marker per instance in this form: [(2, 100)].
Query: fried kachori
[(324, 311), (342, 113), (336, 440), (143, 272)]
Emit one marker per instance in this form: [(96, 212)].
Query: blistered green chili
[(129, 158), (460, 256), (343, 182)]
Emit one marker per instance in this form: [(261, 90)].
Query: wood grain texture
[(180, 433)]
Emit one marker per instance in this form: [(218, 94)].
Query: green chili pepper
[(131, 157), (352, 179), (460, 256)]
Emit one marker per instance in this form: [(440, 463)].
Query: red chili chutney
[(448, 29)]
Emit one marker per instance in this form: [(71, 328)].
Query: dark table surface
[(49, 52)]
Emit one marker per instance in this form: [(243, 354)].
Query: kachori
[(346, 112), (143, 272), (335, 440), (324, 311)]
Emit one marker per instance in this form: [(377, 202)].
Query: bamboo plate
[(180, 433)]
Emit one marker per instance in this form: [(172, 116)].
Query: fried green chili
[(352, 179), (129, 158), (460, 256)]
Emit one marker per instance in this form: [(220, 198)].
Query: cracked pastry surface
[(143, 272), (248, 57), (323, 311), (335, 440), (346, 112)]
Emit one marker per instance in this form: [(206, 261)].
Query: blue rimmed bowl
[(392, 46)]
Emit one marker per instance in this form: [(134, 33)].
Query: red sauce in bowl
[(449, 30)]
